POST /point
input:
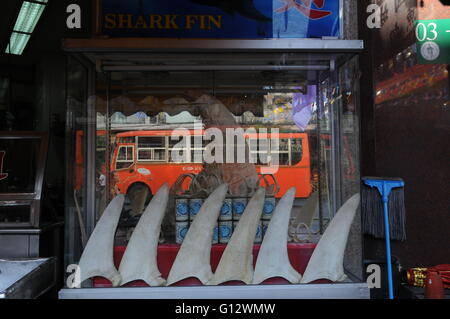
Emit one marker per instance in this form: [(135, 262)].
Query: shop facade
[(163, 95)]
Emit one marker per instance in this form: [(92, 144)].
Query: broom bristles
[(373, 216)]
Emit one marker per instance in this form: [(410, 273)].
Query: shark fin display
[(139, 260), (327, 259), (193, 258), (97, 257), (273, 260), (236, 262)]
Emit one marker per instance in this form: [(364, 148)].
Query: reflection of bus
[(145, 159)]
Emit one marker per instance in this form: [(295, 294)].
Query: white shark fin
[(139, 260), (236, 262), (97, 257), (327, 259), (273, 260), (193, 258)]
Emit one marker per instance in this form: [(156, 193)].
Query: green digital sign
[(433, 41)]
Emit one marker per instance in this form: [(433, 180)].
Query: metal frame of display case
[(93, 51), (309, 291), (28, 199)]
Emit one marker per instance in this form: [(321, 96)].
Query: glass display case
[(192, 156)]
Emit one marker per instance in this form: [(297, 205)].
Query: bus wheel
[(139, 196)]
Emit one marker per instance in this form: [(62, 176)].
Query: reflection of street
[(412, 79), (142, 150)]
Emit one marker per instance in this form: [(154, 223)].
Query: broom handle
[(388, 248)]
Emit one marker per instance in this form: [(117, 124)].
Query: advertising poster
[(232, 19)]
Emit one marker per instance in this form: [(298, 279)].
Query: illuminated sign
[(221, 18), (433, 41)]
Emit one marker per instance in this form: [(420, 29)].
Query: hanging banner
[(238, 19)]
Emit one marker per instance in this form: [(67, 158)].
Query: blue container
[(181, 231), (225, 231), (194, 207), (181, 209), (268, 208), (226, 212)]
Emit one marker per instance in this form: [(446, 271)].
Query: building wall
[(408, 137), (350, 13)]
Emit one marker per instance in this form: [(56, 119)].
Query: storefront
[(181, 118)]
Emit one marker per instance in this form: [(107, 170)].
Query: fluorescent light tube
[(17, 43), (29, 16), (26, 22)]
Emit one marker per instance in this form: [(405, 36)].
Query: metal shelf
[(307, 291)]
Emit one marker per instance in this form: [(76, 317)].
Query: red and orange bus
[(144, 158)]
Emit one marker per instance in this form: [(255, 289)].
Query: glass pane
[(178, 142), (159, 155), (289, 121), (144, 155), (197, 156), (76, 144), (151, 141), (18, 169), (296, 151), (283, 158), (284, 144), (122, 156), (325, 156)]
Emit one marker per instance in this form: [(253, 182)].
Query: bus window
[(284, 145), (282, 152), (151, 155), (197, 156), (197, 142), (125, 157), (296, 151), (151, 142), (197, 147), (151, 149), (253, 144), (178, 150), (180, 142), (259, 151)]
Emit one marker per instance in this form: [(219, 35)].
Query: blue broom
[(371, 214)]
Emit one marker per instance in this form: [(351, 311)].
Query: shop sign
[(221, 18), (433, 41)]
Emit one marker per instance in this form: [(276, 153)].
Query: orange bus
[(144, 159)]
